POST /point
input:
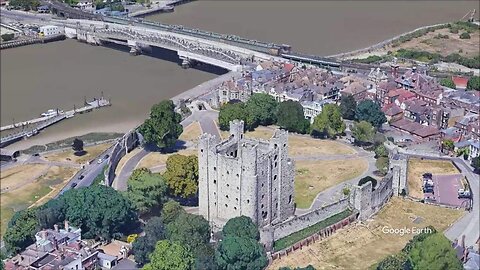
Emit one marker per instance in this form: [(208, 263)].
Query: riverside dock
[(44, 122)]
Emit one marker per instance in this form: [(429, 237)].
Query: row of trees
[(179, 240), (263, 109), (428, 250), (98, 210), (24, 4)]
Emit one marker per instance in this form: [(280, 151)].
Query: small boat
[(51, 113)]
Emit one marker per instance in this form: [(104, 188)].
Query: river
[(39, 77), (317, 27)]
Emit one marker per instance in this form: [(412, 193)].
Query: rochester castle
[(255, 178), (243, 176)]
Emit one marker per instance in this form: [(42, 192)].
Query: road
[(120, 182)]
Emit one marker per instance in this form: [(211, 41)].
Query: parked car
[(106, 156), (36, 155), (464, 193), (81, 177), (100, 161), (73, 185)]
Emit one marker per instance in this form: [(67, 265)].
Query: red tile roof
[(460, 82)]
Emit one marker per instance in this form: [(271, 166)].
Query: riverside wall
[(124, 145)]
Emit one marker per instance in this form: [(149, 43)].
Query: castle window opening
[(214, 168), (290, 199), (236, 199), (275, 158), (226, 205), (234, 208), (264, 215), (201, 150), (274, 177), (248, 201), (262, 205), (276, 164), (214, 181), (228, 185), (226, 196)]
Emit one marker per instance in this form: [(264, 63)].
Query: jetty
[(43, 122)]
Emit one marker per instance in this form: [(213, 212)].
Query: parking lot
[(446, 190)]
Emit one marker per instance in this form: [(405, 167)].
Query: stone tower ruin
[(243, 176)]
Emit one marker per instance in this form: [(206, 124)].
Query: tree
[(464, 35), (474, 83), (367, 179), (240, 253), (229, 112), (329, 122), (348, 105), (77, 145), (171, 211), (448, 82), (170, 256), (51, 213), (189, 230), (25, 4), (7, 36), (435, 252), (146, 190), (99, 211), (21, 230), (363, 132), (382, 164), (182, 175), (308, 267), (163, 127), (369, 111), (241, 227), (290, 117), (143, 246), (476, 164), (381, 151), (394, 262), (261, 109), (448, 144)]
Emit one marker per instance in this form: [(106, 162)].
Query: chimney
[(67, 227), (55, 227)]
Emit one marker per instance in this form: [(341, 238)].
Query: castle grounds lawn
[(92, 152), (156, 159), (361, 245), (37, 192), (417, 167), (301, 145), (312, 177), (17, 175), (191, 133)]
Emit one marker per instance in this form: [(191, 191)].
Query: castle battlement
[(244, 176)]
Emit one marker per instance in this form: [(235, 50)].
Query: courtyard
[(363, 244)]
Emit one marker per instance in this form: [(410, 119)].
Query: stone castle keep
[(243, 176)]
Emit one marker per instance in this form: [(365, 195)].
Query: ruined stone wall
[(399, 168), (124, 145), (301, 222), (369, 202)]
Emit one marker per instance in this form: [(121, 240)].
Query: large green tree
[(261, 109), (99, 211), (170, 256), (146, 190), (241, 227), (189, 230), (348, 105), (21, 230), (171, 211), (476, 164), (329, 122), (240, 253), (144, 245), (290, 117), (163, 127), (435, 252), (474, 83), (229, 112), (363, 132), (371, 112), (182, 175)]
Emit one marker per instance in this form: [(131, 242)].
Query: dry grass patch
[(38, 192), (417, 167), (301, 145), (20, 175), (191, 133), (155, 159), (362, 245), (69, 156), (312, 177)]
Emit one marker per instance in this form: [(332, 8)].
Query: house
[(85, 5), (392, 111), (313, 108), (460, 82), (356, 89), (49, 30), (416, 129)]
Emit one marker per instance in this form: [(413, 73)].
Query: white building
[(474, 149), (85, 5), (313, 108), (50, 30)]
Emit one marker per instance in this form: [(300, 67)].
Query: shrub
[(465, 35), (346, 191), (7, 37)]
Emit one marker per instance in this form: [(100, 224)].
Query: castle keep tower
[(242, 176)]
